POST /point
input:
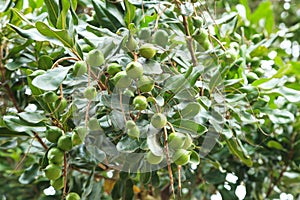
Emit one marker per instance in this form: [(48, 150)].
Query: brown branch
[(63, 59), (65, 176), (277, 181), (5, 85), (188, 36), (168, 161), (39, 139), (179, 179), (97, 176)]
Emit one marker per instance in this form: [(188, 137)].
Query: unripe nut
[(140, 102), (147, 51), (145, 84), (181, 157), (55, 156), (153, 159), (114, 68), (72, 196), (158, 120), (53, 172), (65, 143), (53, 133), (95, 58), (90, 93), (79, 68), (121, 80), (134, 70)]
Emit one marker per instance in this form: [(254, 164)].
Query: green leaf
[(152, 67), (21, 16), (14, 123), (4, 132), (264, 11), (60, 35), (190, 110), (275, 145), (237, 151), (130, 12), (32, 117), (194, 158), (45, 62), (288, 93), (61, 21), (127, 145), (30, 174), (34, 35), (53, 11), (189, 126), (52, 79)]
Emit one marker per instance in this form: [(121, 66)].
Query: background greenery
[(258, 133)]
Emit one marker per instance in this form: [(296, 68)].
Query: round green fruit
[(140, 102), (65, 143), (121, 80), (57, 184), (147, 51), (145, 84), (161, 38), (133, 132), (153, 159), (95, 58), (114, 68), (61, 104), (90, 93), (55, 156), (50, 97), (130, 124), (145, 33), (72, 196), (188, 142), (134, 70), (158, 120), (181, 157), (76, 139), (176, 140), (79, 68), (131, 44), (53, 172), (53, 133)]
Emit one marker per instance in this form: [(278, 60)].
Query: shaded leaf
[(60, 35), (30, 174), (16, 124), (51, 79)]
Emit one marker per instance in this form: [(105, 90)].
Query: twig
[(179, 179), (87, 113), (5, 85), (36, 135), (63, 59), (171, 126), (290, 156), (65, 175), (97, 176), (218, 41), (168, 161), (188, 37)]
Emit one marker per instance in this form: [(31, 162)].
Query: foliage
[(226, 81)]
